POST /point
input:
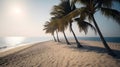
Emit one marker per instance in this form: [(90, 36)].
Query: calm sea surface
[(12, 42), (108, 39)]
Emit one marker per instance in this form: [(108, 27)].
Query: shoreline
[(27, 45), (54, 54), (14, 49), (18, 48)]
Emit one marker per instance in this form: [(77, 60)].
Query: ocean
[(108, 39), (12, 42)]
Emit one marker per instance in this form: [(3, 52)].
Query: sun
[(17, 10)]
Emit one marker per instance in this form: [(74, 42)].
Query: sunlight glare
[(17, 10), (14, 40)]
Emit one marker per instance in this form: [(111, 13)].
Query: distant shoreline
[(108, 39), (12, 50)]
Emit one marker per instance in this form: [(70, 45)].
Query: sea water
[(12, 42), (108, 39)]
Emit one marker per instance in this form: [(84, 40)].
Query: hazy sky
[(27, 17)]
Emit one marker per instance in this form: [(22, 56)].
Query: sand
[(54, 54)]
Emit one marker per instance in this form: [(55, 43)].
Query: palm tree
[(90, 7), (49, 29), (62, 10), (60, 28), (58, 13), (55, 25), (57, 36)]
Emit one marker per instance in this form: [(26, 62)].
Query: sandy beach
[(54, 54)]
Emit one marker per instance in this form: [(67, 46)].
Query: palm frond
[(57, 7), (105, 3), (111, 13), (91, 26), (84, 25), (71, 15)]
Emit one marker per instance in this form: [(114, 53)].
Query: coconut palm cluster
[(68, 12)]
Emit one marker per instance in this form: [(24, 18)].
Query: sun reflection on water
[(11, 41)]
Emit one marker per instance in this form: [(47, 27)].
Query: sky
[(27, 17)]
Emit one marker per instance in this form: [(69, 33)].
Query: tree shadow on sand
[(87, 48)]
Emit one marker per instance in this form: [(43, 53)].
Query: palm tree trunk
[(54, 37), (109, 50), (78, 43), (57, 36), (66, 38)]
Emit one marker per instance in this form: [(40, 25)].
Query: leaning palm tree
[(60, 27), (90, 7), (58, 13), (49, 29), (55, 26), (62, 10)]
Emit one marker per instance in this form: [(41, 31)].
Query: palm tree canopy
[(92, 6), (63, 10), (51, 26), (60, 11)]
